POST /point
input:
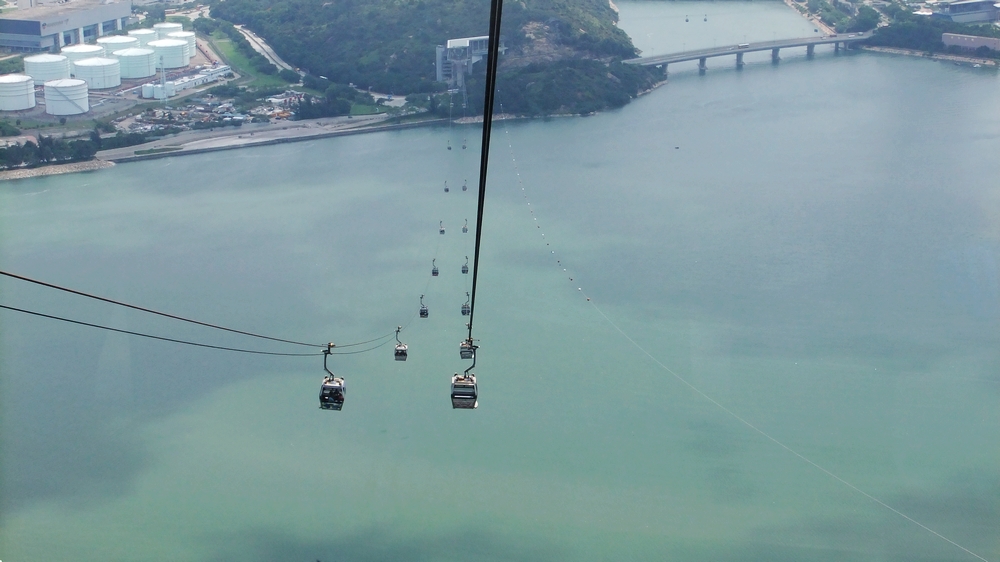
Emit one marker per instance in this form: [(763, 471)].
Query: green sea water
[(813, 246)]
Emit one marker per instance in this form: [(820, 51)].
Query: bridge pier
[(836, 47), (739, 60), (774, 56), (810, 50), (702, 65)]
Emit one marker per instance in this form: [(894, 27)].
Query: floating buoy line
[(559, 263)]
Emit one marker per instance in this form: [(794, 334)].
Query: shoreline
[(200, 142), (926, 55), (55, 169)]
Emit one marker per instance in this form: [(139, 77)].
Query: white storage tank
[(170, 53), (99, 73), (80, 52), (147, 91), (17, 92), (144, 35), (186, 36), (67, 96), (166, 28), (136, 63), (46, 67), (113, 43)]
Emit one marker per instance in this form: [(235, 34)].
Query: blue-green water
[(818, 254)]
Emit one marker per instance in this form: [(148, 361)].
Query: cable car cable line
[(496, 11), (161, 338), (157, 312), (181, 318)]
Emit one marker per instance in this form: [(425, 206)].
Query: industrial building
[(455, 59), (970, 42), (967, 11), (49, 26)]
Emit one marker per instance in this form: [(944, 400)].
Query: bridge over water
[(702, 55)]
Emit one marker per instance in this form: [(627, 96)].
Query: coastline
[(54, 169), (926, 55), (200, 142)]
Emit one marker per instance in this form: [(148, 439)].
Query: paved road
[(752, 47), (263, 48)]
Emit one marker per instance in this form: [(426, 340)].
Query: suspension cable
[(496, 10), (161, 338), (151, 311)]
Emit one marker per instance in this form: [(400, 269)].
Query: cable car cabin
[(466, 309), (465, 229), (464, 392), (331, 393), (441, 227), (446, 187), (465, 268), (434, 271), (466, 350), (423, 308), (465, 186), (400, 353)]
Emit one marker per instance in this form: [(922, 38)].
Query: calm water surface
[(812, 245)]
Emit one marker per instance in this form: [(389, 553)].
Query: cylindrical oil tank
[(137, 63), (46, 67), (147, 91), (170, 53), (144, 35), (67, 96), (165, 28), (17, 91), (113, 43), (99, 73), (186, 36), (80, 52)]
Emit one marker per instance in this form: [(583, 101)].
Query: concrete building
[(455, 59), (49, 26), (970, 42), (967, 11)]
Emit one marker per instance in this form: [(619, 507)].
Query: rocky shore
[(55, 169)]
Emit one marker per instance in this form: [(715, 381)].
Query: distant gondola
[(400, 353), (423, 308)]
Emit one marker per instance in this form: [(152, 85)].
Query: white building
[(455, 59), (48, 26)]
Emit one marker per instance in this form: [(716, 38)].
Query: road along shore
[(199, 142)]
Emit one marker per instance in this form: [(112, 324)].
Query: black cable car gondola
[(400, 353), (434, 268), (441, 227), (466, 309), (446, 186), (333, 389), (465, 185), (465, 266), (467, 349), (465, 229), (464, 390), (423, 308)]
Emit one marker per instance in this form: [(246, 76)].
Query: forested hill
[(389, 45)]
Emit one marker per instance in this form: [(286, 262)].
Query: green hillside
[(389, 45)]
